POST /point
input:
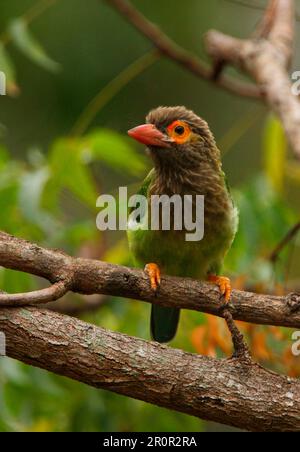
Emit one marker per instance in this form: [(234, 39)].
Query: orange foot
[(153, 272), (224, 285)]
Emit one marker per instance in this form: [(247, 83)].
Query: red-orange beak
[(149, 135)]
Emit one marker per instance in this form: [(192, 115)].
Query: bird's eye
[(179, 130)]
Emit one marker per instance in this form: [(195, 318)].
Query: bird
[(186, 161)]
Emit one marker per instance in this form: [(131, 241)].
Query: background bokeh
[(56, 159)]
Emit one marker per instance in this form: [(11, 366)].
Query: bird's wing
[(146, 183), (135, 233), (143, 191)]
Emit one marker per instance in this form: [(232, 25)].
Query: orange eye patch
[(179, 131)]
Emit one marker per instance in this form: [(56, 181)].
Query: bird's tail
[(164, 322)]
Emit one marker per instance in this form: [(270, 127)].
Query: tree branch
[(89, 276), (291, 234), (241, 350), (236, 391), (266, 24), (266, 57), (226, 391), (47, 295), (267, 60), (173, 51)]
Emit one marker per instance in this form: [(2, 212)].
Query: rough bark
[(89, 276), (266, 58), (237, 392), (168, 48), (226, 391)]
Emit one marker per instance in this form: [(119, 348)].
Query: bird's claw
[(153, 272), (224, 286)]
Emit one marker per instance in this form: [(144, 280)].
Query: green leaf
[(68, 170), (4, 156), (8, 196), (114, 150), (275, 152), (7, 67), (32, 185), (28, 44)]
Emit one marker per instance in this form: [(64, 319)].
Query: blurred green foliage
[(50, 180)]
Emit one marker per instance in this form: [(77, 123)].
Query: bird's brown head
[(176, 137)]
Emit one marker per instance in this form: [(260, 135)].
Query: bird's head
[(176, 137)]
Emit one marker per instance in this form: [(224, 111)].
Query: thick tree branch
[(267, 60), (89, 276), (266, 57), (237, 391), (173, 51), (226, 391)]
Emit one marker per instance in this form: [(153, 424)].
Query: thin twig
[(111, 89), (251, 6), (267, 61), (239, 128), (173, 51), (241, 349), (41, 296), (29, 16), (291, 234), (246, 4)]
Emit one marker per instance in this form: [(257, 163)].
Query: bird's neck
[(204, 177)]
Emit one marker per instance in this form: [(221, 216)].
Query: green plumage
[(190, 168)]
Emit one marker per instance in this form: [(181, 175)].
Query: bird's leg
[(241, 349), (153, 272), (224, 285)]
